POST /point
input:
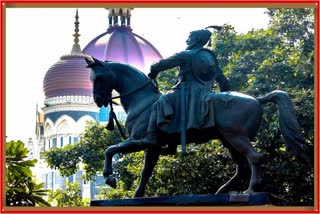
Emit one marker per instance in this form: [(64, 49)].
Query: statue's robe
[(198, 97), (199, 108)]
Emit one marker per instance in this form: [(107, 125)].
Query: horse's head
[(102, 79)]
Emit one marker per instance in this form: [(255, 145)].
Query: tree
[(70, 197), (280, 57), (21, 189), (255, 63), (167, 79), (294, 26), (89, 151)]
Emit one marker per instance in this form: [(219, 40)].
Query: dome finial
[(76, 30), (76, 47), (123, 13)]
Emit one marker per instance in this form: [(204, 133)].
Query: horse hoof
[(249, 191), (111, 181)]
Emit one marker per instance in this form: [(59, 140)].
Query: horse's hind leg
[(151, 157), (243, 171), (243, 145)]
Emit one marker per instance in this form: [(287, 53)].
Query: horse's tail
[(289, 125)]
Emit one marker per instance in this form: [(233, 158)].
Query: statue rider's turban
[(203, 35)]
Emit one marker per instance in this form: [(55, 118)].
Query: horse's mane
[(124, 68), (127, 66)]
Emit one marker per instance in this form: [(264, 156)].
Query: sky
[(36, 38)]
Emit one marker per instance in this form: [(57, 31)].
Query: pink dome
[(69, 76), (119, 44)]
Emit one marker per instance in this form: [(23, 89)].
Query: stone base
[(254, 199)]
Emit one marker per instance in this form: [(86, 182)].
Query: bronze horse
[(237, 119)]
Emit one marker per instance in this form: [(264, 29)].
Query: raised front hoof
[(111, 181)]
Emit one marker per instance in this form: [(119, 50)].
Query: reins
[(131, 92), (113, 116)]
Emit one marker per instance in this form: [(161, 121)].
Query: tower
[(68, 106)]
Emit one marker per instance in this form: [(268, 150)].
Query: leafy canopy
[(21, 188), (256, 63)]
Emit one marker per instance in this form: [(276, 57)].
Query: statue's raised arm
[(185, 60)]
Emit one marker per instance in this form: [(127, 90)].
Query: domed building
[(120, 44), (68, 92), (68, 106)]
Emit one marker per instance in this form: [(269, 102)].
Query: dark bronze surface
[(154, 120)]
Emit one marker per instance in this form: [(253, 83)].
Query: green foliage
[(293, 25), (256, 63), (65, 159), (280, 57), (167, 79), (119, 193), (89, 151), (70, 197), (21, 188), (294, 181), (202, 171), (208, 164)]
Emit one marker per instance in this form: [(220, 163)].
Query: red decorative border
[(80, 3)]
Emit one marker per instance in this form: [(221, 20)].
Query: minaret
[(76, 47), (68, 105)]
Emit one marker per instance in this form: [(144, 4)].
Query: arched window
[(70, 140), (54, 143), (75, 140)]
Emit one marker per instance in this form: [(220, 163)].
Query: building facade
[(69, 103)]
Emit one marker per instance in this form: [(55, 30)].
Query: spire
[(76, 30), (76, 47)]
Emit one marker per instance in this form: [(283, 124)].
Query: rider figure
[(198, 102)]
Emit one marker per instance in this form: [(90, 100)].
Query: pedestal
[(254, 199)]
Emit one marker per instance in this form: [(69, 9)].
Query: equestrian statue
[(189, 113)]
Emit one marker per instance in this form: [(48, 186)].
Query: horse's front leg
[(107, 170), (108, 154), (127, 146), (151, 157)]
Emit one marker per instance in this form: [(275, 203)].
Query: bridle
[(149, 81), (113, 116)]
